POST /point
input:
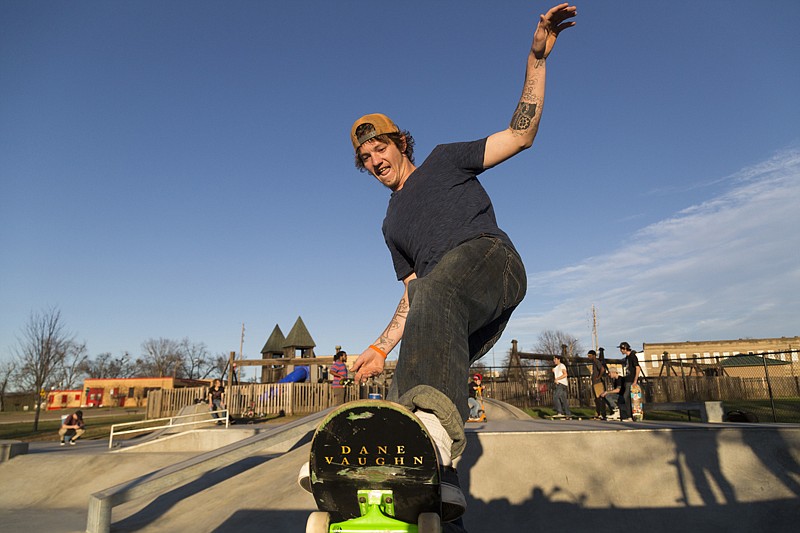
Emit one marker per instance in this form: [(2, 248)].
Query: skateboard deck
[(637, 403), (481, 417), (373, 462)]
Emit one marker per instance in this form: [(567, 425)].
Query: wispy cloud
[(726, 268)]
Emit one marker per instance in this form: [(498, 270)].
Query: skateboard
[(373, 467), (637, 403)]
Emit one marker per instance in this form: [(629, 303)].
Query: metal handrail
[(171, 424)]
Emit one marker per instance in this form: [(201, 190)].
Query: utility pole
[(595, 343), (241, 346)]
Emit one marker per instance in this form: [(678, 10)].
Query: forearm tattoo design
[(385, 341), (523, 116), (526, 109)]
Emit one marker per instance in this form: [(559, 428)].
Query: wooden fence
[(260, 399), (305, 398)]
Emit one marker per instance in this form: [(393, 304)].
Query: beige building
[(786, 350), (130, 392)]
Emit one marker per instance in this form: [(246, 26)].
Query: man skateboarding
[(373, 468), (475, 400), (462, 276)]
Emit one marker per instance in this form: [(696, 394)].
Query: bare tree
[(39, 352), (105, 365), (550, 342), (161, 357), (196, 359), (7, 370), (67, 375), (218, 367)]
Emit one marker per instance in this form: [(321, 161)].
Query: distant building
[(64, 399), (115, 392), (781, 355)]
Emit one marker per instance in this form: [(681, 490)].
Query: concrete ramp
[(518, 475), (528, 475), (497, 410), (49, 491), (578, 476)]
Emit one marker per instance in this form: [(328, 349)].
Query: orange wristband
[(383, 354)]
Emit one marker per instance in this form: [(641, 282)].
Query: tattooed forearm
[(393, 325), (384, 343), (402, 307), (523, 116), (530, 89), (525, 119), (394, 331), (399, 318)]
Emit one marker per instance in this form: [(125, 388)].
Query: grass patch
[(787, 411), (96, 428), (99, 427), (588, 412)]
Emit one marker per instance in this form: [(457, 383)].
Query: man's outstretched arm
[(371, 361), (525, 122)]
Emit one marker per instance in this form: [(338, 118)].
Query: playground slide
[(299, 375)]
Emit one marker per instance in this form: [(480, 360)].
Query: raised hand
[(550, 25)]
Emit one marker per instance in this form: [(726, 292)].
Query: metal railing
[(171, 424), (285, 437)]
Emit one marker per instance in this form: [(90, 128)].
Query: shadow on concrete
[(164, 502), (698, 452), (782, 465), (703, 497), (543, 514)]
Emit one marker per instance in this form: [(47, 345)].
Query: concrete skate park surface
[(519, 474)]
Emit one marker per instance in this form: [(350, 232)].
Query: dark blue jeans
[(457, 312), (216, 405), (624, 401)]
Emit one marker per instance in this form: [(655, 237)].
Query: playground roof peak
[(275, 342), (299, 337)]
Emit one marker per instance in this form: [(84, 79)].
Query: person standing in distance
[(598, 387), (631, 378), (339, 372), (561, 389)]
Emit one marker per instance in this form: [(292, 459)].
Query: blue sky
[(175, 169)]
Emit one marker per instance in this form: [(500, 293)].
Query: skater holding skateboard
[(461, 274), (598, 387)]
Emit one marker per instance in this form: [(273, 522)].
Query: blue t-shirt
[(441, 205)]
